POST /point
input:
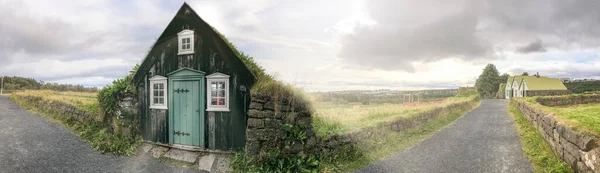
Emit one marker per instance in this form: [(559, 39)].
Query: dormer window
[(186, 42)]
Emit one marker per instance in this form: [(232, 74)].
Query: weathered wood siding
[(211, 55), (153, 123)]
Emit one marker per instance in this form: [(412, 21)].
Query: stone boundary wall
[(547, 92), (58, 108), (579, 150), (124, 122), (568, 100), (265, 129)]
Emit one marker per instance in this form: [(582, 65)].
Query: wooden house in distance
[(193, 90)]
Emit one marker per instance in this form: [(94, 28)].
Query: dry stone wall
[(124, 122), (547, 93), (579, 150), (568, 100), (58, 108), (276, 124)]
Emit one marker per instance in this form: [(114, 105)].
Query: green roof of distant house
[(543, 83)]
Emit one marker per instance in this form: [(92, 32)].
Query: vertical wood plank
[(211, 130)]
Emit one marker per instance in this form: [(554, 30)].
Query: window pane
[(155, 86), (213, 101), (213, 93), (161, 93), (213, 85), (155, 100), (182, 41), (221, 101), (221, 85), (221, 93), (161, 86), (161, 101), (155, 93), (188, 46)]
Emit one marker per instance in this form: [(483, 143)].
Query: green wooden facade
[(186, 113)]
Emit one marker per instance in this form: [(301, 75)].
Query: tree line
[(582, 87), (23, 83), (489, 81)]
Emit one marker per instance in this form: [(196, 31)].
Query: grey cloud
[(394, 43), (21, 32), (423, 31), (572, 71), (535, 46)]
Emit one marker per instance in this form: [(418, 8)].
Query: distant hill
[(23, 83), (581, 87)]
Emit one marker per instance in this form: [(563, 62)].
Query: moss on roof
[(543, 83)]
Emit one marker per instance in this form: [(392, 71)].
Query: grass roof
[(543, 83)]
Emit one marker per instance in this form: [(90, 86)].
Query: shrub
[(109, 96)]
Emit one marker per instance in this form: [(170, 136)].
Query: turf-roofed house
[(528, 86), (193, 89)]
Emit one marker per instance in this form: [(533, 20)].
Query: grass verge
[(378, 147), (95, 133), (534, 146)]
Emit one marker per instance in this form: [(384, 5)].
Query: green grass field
[(535, 147), (584, 118), (336, 118)]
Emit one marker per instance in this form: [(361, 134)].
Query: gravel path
[(30, 143), (484, 140)]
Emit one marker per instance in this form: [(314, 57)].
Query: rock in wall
[(579, 150), (126, 120)]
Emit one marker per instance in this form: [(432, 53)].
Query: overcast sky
[(315, 44)]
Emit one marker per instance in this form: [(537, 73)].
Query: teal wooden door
[(186, 108), (187, 113)]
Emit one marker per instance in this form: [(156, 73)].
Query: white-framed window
[(158, 92), (185, 42), (217, 92)]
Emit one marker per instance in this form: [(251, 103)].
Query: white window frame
[(183, 35), (217, 77), (159, 80)]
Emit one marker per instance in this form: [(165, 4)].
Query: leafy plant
[(295, 132), (110, 95), (278, 162)]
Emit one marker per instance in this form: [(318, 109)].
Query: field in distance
[(336, 114)]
